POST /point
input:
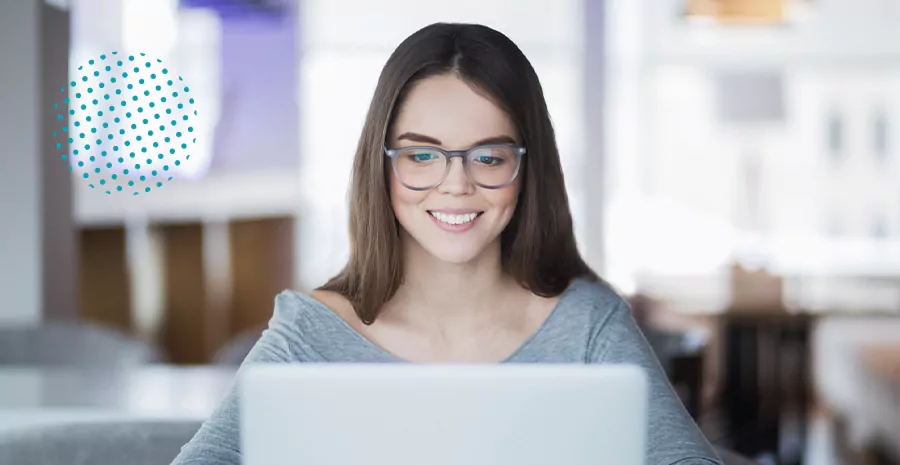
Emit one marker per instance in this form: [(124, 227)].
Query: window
[(835, 134), (880, 134), (880, 227)]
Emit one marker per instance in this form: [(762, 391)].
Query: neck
[(446, 295)]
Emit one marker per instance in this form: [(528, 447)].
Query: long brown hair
[(538, 246)]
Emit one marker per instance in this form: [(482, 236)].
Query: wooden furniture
[(190, 286), (881, 400), (262, 254), (185, 331), (883, 360), (104, 288)]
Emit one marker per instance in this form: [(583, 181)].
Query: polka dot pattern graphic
[(126, 124)]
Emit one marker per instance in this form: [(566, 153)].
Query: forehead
[(447, 108)]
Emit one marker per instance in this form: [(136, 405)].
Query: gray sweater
[(590, 324)]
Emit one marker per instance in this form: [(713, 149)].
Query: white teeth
[(454, 219)]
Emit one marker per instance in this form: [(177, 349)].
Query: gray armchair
[(73, 344), (104, 443)]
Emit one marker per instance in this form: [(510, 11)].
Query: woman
[(462, 245)]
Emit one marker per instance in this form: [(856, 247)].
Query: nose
[(456, 182)]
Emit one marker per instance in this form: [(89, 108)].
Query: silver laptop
[(416, 414)]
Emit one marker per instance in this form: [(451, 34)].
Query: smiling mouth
[(455, 219)]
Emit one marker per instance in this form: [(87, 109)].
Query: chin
[(454, 254)]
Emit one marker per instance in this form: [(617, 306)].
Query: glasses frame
[(448, 157)]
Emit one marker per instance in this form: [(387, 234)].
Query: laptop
[(443, 414)]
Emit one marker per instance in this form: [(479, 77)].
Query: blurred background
[(733, 167)]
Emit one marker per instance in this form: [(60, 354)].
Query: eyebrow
[(416, 137)]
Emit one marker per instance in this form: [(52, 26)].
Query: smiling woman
[(461, 243), (478, 106)]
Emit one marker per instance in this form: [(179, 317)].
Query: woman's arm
[(672, 436), (218, 440)]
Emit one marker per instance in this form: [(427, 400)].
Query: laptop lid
[(435, 414)]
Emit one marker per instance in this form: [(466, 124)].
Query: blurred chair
[(132, 443), (104, 443), (235, 351), (680, 353), (855, 398), (73, 344), (681, 356)]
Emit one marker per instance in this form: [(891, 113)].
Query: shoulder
[(315, 311), (594, 298), (300, 313), (302, 328), (291, 305), (601, 310)]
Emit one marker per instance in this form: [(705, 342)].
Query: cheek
[(403, 199), (505, 199)]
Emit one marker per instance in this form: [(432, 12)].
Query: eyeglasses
[(424, 167)]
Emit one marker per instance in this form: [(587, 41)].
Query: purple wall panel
[(259, 116)]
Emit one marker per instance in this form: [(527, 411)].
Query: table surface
[(30, 396)]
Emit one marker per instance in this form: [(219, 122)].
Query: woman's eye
[(423, 157), (486, 160)]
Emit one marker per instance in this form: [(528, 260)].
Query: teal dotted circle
[(81, 107)]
